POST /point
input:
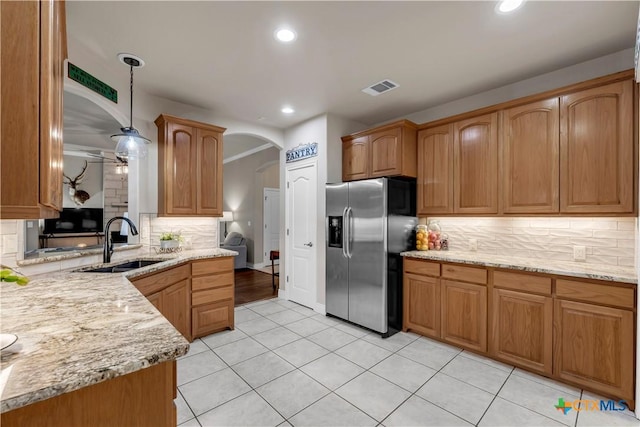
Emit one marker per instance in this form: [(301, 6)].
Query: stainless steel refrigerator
[(368, 224)]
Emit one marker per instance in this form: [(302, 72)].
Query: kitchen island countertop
[(76, 329), (535, 265)]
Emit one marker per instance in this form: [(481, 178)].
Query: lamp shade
[(227, 216)]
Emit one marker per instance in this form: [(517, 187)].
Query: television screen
[(76, 220)]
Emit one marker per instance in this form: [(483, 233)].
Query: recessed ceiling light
[(285, 35), (508, 6), (288, 110)]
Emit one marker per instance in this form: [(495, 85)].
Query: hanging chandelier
[(130, 144)]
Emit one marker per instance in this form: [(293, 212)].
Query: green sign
[(88, 81)]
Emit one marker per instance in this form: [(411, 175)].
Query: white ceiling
[(87, 125), (223, 56)]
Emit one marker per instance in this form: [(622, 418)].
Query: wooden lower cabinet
[(212, 317), (464, 314), (141, 398), (170, 292), (196, 297), (422, 305), (521, 332), (175, 306), (593, 347), (212, 299), (578, 331)]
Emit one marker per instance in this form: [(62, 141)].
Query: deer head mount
[(78, 196)]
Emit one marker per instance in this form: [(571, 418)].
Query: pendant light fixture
[(130, 144)]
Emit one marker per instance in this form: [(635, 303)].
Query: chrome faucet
[(108, 243)]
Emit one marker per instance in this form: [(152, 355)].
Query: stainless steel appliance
[(368, 224)]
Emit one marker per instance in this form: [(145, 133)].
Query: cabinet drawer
[(212, 295), (160, 279), (212, 266), (522, 282), (211, 318), (212, 281), (424, 268), (467, 274), (592, 292)]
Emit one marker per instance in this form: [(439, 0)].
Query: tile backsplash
[(608, 240), (198, 233)]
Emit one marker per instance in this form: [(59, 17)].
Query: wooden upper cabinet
[(475, 143), (33, 40), (189, 167), (530, 158), (597, 149), (209, 186), (355, 159), (388, 150), (435, 170)]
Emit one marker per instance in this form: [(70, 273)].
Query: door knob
[(309, 244)]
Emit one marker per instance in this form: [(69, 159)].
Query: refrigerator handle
[(344, 232), (349, 219)]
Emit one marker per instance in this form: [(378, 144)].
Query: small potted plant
[(170, 240)]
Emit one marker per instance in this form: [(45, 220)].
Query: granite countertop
[(542, 265), (70, 254), (76, 329)]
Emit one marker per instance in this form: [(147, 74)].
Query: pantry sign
[(302, 152)]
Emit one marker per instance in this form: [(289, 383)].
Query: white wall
[(244, 181), (91, 183), (609, 64)]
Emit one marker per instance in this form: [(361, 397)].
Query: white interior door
[(271, 209), (301, 248)]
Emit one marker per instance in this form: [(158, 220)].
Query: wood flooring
[(253, 285)]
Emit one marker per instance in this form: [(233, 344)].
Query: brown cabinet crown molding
[(588, 84)]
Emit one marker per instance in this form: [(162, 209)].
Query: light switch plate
[(579, 253), (473, 244)]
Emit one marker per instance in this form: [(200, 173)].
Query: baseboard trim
[(320, 308), (282, 293)]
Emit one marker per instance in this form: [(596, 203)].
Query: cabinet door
[(464, 314), (52, 56), (422, 305), (156, 300), (355, 159), (435, 170), (176, 304), (180, 170), (593, 347), (212, 318), (386, 153), (522, 329), (596, 150), (33, 41), (530, 158), (476, 165), (209, 184)]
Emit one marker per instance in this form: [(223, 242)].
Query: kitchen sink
[(122, 267)]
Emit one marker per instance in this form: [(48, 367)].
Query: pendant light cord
[(131, 100)]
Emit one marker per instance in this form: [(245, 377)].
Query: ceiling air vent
[(380, 87)]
